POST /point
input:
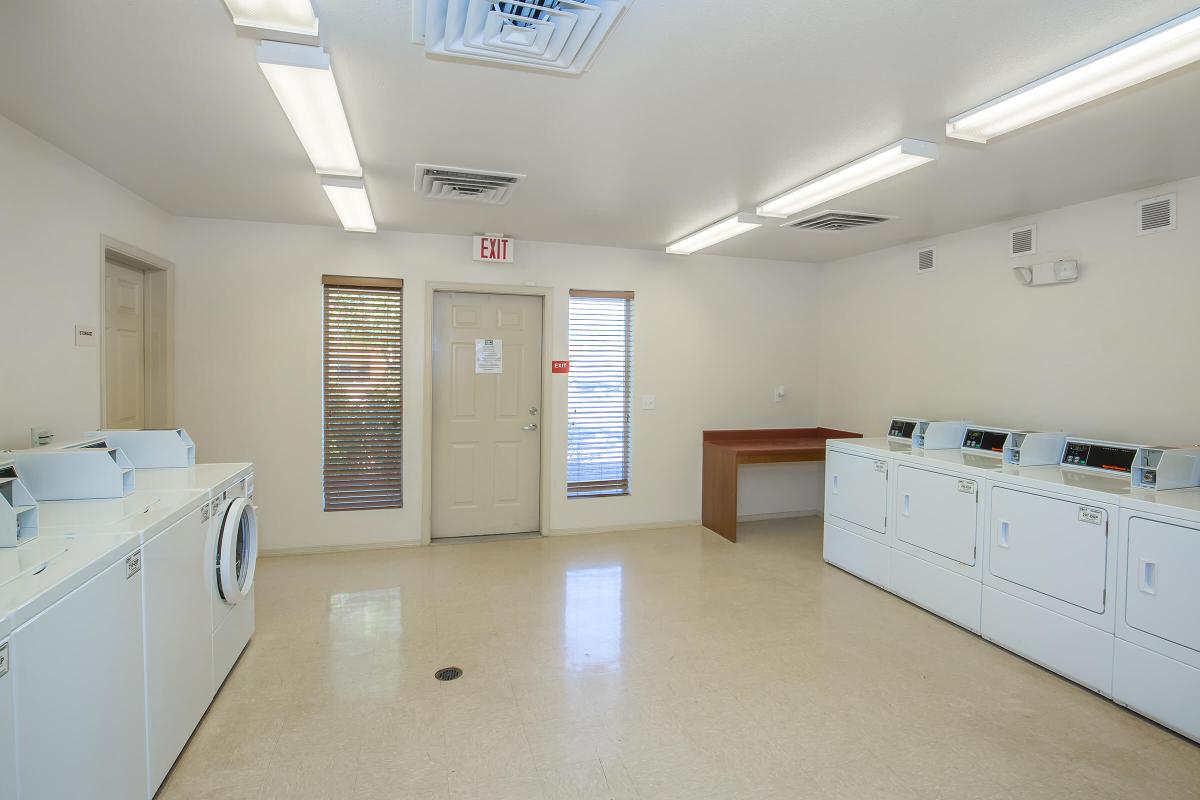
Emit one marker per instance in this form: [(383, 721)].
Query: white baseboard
[(814, 512), (325, 549), (645, 526)]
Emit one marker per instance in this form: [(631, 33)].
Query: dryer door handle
[(906, 504), (1002, 533), (835, 483), (1147, 576)]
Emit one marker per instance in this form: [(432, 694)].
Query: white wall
[(1112, 356), (713, 337), (53, 212)]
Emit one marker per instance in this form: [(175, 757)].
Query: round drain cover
[(448, 673)]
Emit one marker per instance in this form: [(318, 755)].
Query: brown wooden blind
[(363, 393), (599, 395)]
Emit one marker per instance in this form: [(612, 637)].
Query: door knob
[(530, 427)]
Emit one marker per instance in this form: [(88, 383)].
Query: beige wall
[(53, 212), (713, 337), (1113, 356)]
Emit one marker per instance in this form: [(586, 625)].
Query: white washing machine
[(75, 669), (231, 551), (1049, 583), (1156, 666), (172, 527)]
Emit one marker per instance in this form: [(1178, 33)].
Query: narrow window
[(599, 393), (363, 393)]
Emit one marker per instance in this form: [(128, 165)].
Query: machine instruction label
[(133, 564), (3, 659), (881, 466), (1092, 516), (966, 487)]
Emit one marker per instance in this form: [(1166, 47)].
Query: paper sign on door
[(489, 356)]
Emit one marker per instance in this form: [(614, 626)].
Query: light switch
[(780, 393), (648, 402)]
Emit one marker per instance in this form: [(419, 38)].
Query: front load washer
[(1156, 667), (231, 551), (1049, 583), (172, 528)]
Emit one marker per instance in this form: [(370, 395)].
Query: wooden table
[(725, 451)]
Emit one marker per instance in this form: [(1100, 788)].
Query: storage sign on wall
[(494, 248)]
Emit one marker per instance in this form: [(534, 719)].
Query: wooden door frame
[(545, 412), (158, 329)]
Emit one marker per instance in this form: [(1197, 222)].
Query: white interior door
[(124, 347), (487, 354)]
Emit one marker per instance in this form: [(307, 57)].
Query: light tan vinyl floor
[(650, 665)]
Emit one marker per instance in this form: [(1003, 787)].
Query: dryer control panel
[(1111, 458), (1034, 449), (989, 441), (903, 428)]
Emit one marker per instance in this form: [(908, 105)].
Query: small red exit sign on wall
[(560, 367), (494, 248)]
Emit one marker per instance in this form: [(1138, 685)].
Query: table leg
[(719, 491)]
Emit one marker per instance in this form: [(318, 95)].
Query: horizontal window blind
[(598, 393), (363, 393)]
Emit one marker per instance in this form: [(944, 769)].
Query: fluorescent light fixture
[(349, 199), (1159, 50), (302, 80), (880, 165), (285, 16), (717, 232)]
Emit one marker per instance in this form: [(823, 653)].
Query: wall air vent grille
[(926, 260), (556, 35), (1022, 241), (1156, 214), (453, 183), (835, 221)]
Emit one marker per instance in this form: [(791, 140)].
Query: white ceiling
[(693, 110)]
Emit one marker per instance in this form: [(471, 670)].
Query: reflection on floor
[(651, 665)]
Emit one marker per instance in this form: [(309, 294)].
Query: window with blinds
[(599, 393), (363, 393)]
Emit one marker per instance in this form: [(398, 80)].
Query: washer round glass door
[(237, 551)]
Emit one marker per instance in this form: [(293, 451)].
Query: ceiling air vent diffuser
[(453, 183), (1156, 214), (1022, 241), (926, 260), (835, 221), (557, 35)]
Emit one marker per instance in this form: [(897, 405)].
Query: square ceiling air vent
[(1022, 241), (556, 35), (835, 221), (1156, 214), (926, 259), (454, 183)]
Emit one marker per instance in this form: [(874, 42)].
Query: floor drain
[(448, 673)]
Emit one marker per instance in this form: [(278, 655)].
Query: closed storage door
[(79, 684), (487, 351), (1053, 546), (857, 489), (124, 347), (179, 670), (937, 512), (1162, 594)]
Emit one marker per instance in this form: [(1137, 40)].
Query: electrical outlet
[(40, 436), (780, 393), (648, 402)]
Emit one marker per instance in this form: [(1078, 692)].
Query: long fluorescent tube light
[(286, 16), (302, 80), (1159, 50), (880, 165), (717, 232), (349, 199)]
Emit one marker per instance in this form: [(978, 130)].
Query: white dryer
[(1049, 586), (1156, 667), (856, 502), (172, 528), (231, 551), (75, 669)]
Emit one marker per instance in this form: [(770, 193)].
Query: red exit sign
[(560, 367), (494, 248)]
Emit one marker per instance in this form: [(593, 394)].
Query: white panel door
[(179, 641), (1053, 546), (124, 347), (937, 512), (80, 689), (1162, 581), (856, 489), (486, 418)]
